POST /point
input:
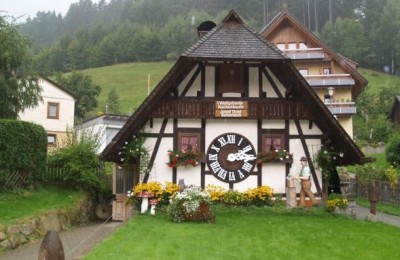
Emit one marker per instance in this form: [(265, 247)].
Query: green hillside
[(131, 80), (379, 80)]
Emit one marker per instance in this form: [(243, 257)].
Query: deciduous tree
[(17, 86)]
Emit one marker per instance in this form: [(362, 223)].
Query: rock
[(51, 222), (14, 229), (3, 236), (27, 229), (14, 240), (5, 244)]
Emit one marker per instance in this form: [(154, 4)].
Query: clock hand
[(240, 156)]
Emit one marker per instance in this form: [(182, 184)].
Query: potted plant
[(184, 158), (275, 156)]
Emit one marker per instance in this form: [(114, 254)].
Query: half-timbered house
[(231, 96)]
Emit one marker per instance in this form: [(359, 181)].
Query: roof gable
[(232, 39), (347, 64)]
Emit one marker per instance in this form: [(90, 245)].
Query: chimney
[(204, 28)]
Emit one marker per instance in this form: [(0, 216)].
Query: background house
[(332, 76), (103, 127), (55, 112)]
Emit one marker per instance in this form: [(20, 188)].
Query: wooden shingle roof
[(232, 39)]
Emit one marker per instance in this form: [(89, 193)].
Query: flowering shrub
[(273, 156), (234, 198), (186, 203), (260, 196), (335, 201), (184, 158), (170, 189), (216, 192)]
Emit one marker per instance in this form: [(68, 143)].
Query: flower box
[(184, 158), (276, 156)]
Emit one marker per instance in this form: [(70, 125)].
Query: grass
[(378, 80), (18, 207), (252, 233), (130, 81)]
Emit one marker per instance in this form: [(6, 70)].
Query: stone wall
[(15, 235)]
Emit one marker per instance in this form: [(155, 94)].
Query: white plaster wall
[(183, 84), (160, 171), (273, 124), (157, 123), (273, 175), (249, 183), (210, 81), (38, 114), (253, 82), (304, 124), (189, 123), (280, 86)]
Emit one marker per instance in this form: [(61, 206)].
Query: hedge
[(23, 146)]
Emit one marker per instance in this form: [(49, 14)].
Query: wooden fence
[(10, 180), (387, 193)]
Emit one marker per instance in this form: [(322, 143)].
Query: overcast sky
[(28, 8)]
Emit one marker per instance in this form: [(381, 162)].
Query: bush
[(392, 150), (23, 147), (82, 166)]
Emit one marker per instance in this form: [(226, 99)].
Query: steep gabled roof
[(347, 64), (225, 42), (232, 39)]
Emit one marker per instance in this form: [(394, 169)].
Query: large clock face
[(231, 157)]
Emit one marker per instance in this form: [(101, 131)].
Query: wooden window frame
[(189, 134), (53, 104), (281, 136)]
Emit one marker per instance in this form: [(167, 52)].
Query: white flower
[(341, 154), (122, 159)]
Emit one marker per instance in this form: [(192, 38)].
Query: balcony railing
[(257, 109), (330, 80), (301, 54), (341, 108)]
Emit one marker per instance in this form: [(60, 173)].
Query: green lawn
[(17, 207), (130, 81), (252, 233), (378, 80)]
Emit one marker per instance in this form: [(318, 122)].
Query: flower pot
[(145, 205)]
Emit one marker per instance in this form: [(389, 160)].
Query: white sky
[(29, 8)]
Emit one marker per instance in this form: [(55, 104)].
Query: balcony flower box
[(275, 156), (184, 158)]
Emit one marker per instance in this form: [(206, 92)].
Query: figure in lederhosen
[(305, 178)]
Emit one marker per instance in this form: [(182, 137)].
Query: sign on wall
[(231, 109)]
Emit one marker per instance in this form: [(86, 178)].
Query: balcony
[(341, 108), (304, 54), (330, 80)]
